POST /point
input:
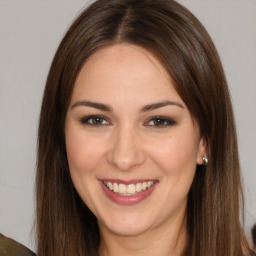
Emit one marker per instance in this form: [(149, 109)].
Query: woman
[(137, 148)]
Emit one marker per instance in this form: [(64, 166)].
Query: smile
[(129, 189), (128, 192)]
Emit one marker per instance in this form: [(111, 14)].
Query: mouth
[(128, 189), (128, 192)]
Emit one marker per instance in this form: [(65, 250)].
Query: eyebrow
[(96, 105), (157, 105), (108, 108)]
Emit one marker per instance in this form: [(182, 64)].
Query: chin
[(128, 230), (130, 226)]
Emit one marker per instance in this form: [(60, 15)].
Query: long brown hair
[(65, 226)]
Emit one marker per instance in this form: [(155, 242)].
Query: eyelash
[(158, 121), (89, 120), (163, 122)]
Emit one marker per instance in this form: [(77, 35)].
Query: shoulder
[(9, 247)]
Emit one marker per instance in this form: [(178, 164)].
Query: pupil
[(158, 121), (97, 120)]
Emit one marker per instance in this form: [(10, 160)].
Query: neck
[(167, 240)]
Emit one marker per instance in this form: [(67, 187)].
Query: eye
[(160, 122), (94, 120)]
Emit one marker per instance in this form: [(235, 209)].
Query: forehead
[(125, 70)]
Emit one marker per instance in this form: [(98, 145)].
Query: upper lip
[(127, 182)]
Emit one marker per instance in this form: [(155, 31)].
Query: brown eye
[(95, 120), (160, 122)]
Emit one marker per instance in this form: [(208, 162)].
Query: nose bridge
[(126, 151)]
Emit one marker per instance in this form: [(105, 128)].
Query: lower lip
[(127, 200)]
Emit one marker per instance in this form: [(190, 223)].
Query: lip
[(127, 200)]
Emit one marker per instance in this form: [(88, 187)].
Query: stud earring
[(205, 160)]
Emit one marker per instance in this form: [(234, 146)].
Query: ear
[(202, 151)]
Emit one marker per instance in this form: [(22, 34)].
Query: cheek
[(83, 153), (176, 154)]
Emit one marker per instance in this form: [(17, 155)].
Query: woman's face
[(132, 146)]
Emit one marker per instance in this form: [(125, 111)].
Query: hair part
[(65, 226)]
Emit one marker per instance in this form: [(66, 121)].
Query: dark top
[(254, 236), (9, 247)]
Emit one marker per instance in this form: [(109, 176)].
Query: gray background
[(30, 31)]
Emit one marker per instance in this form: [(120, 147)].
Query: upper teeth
[(130, 189)]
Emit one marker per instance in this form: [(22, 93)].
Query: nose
[(126, 151)]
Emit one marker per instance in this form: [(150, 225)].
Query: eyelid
[(164, 122), (169, 122), (85, 120)]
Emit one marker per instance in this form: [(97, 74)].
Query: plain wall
[(30, 32)]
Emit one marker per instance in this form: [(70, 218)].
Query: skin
[(128, 144)]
